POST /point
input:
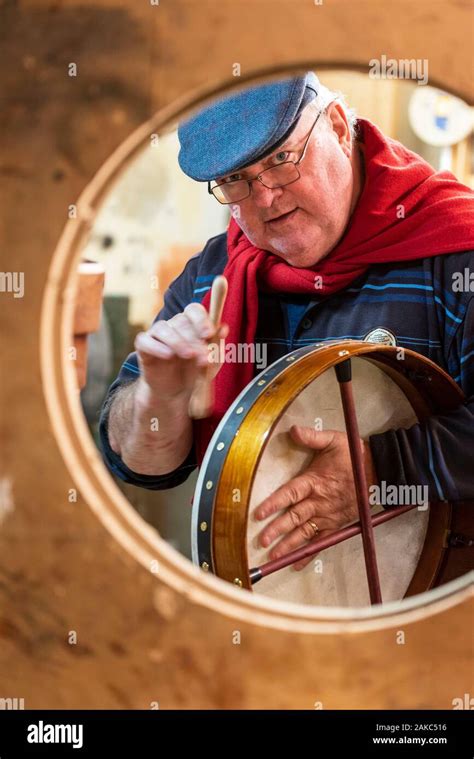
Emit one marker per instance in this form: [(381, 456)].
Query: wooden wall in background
[(144, 637)]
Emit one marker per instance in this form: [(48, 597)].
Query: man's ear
[(339, 124)]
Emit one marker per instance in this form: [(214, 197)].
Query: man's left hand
[(322, 497)]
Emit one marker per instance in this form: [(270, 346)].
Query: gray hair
[(326, 96)]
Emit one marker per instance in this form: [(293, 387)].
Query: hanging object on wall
[(438, 118)]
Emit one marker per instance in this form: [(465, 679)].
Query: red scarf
[(438, 218)]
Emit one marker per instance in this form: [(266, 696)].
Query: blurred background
[(156, 218)]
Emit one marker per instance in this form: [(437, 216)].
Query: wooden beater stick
[(344, 377), (202, 398)]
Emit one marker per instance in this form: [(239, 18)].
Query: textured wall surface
[(83, 622)]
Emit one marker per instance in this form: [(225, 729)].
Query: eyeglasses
[(276, 176)]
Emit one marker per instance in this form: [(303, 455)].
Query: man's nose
[(262, 196)]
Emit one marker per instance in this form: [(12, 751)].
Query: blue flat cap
[(243, 128)]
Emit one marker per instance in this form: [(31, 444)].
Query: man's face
[(320, 201)]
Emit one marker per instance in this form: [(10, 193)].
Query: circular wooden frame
[(233, 465), (87, 469)]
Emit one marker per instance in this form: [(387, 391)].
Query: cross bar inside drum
[(258, 573), (344, 377)]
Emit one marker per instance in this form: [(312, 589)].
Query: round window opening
[(294, 465)]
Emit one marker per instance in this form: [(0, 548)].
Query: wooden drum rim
[(428, 388)]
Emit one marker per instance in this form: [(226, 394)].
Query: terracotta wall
[(87, 619)]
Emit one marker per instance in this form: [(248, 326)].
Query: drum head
[(252, 454), (336, 576)]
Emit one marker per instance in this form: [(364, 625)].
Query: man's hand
[(171, 353), (324, 494)]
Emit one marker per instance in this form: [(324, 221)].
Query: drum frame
[(231, 461)]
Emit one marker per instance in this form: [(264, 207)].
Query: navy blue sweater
[(418, 302)]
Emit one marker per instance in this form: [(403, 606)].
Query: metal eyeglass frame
[(270, 168)]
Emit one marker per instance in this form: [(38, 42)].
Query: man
[(336, 232)]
